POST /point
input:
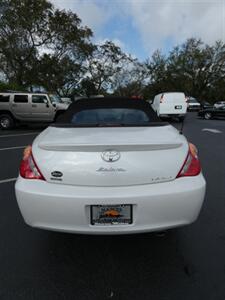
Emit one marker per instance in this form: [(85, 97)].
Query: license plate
[(178, 107), (111, 214)]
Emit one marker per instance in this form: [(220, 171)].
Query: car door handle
[(34, 105)]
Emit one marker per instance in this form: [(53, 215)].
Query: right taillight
[(191, 166)]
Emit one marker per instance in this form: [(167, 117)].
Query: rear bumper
[(194, 108), (67, 208), (172, 115)]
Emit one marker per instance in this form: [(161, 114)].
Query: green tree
[(131, 79), (104, 63), (193, 67), (33, 33), (157, 75), (10, 86)]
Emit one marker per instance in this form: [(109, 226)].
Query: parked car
[(170, 105), (66, 100), (76, 98), (29, 108), (110, 166), (193, 104), (150, 101), (205, 104), (211, 113), (219, 104)]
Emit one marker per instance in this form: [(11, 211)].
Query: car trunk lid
[(110, 156)]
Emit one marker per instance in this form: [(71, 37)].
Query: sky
[(140, 27)]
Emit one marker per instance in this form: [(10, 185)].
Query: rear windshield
[(192, 101), (108, 111), (110, 116)]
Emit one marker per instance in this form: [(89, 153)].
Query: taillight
[(191, 166), (28, 167), (136, 97), (161, 98)]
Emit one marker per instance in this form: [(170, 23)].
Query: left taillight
[(191, 166), (28, 167)]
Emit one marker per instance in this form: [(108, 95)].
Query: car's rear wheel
[(6, 121), (207, 116)]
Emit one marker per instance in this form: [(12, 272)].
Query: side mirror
[(54, 104)]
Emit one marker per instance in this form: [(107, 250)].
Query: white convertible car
[(110, 166)]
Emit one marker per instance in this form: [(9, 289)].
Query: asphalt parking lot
[(186, 263)]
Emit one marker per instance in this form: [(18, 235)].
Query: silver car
[(219, 104), (29, 108)]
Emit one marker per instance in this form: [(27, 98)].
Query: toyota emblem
[(110, 155)]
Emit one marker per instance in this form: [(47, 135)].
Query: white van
[(170, 105)]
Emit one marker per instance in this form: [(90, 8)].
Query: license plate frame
[(111, 215)]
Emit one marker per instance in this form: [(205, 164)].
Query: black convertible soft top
[(106, 102)]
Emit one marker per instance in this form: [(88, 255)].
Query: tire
[(207, 116), (6, 122)]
